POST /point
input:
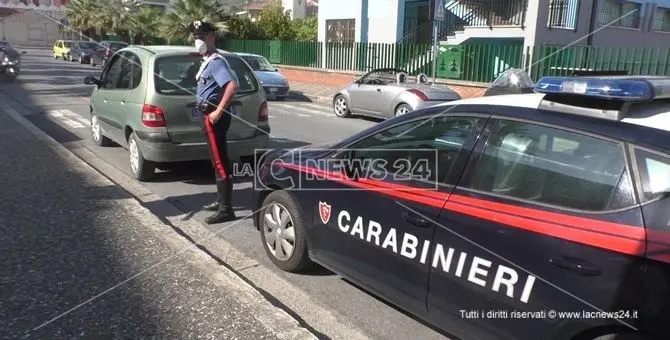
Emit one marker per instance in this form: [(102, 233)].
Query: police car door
[(362, 227), (528, 229)]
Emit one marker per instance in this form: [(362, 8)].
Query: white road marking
[(310, 109), (75, 116), (69, 118)]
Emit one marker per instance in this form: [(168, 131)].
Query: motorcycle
[(10, 64), (512, 81)]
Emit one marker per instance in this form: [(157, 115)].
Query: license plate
[(195, 113), (233, 110), (273, 89)]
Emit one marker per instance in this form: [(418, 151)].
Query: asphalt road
[(51, 94), (82, 259)]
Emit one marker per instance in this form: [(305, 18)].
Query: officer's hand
[(214, 116)]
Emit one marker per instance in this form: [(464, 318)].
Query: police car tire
[(299, 260)]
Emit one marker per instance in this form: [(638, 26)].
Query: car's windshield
[(87, 45), (175, 75), (258, 63)]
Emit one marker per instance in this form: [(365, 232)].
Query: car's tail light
[(263, 112), (419, 94), (108, 53), (153, 116)]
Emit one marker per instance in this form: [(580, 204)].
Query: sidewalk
[(82, 259)]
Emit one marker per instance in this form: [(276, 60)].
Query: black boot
[(214, 206), (224, 212)]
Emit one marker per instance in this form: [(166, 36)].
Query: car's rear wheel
[(283, 232), (341, 106), (402, 109), (142, 169), (96, 132)]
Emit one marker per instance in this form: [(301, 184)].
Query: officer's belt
[(206, 107)]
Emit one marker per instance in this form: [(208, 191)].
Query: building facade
[(632, 23)]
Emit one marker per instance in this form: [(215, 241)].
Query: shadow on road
[(296, 96)]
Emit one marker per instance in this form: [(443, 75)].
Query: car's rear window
[(117, 46), (175, 75), (87, 45)]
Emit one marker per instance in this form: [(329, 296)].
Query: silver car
[(389, 93)]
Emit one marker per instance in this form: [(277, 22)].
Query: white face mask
[(201, 45)]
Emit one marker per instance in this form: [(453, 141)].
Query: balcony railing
[(489, 13), (462, 13)]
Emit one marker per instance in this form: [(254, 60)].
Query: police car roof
[(653, 113)]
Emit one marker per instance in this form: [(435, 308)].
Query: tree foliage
[(132, 21)]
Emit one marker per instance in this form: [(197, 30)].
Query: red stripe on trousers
[(215, 149)]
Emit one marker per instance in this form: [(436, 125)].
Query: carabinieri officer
[(217, 87)]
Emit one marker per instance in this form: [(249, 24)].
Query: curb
[(298, 318), (276, 320)]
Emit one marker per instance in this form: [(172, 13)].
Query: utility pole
[(438, 15)]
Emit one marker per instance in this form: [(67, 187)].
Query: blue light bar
[(627, 88)]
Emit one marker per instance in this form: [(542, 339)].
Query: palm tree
[(184, 12), (119, 16), (84, 16), (146, 22)]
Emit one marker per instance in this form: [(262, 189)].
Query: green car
[(145, 98)]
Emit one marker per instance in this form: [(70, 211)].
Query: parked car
[(514, 217), (105, 50), (62, 49), (145, 101), (274, 83), (82, 51), (387, 93)]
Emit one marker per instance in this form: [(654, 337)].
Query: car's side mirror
[(357, 81), (24, 52), (91, 80), (276, 70)]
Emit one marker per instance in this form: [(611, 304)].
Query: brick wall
[(340, 79)]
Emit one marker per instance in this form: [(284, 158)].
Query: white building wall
[(31, 28), (383, 18), (298, 8), (378, 21)]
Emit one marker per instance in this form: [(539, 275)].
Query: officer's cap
[(200, 28)]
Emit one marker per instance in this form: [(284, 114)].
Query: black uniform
[(213, 77)]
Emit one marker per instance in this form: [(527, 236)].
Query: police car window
[(568, 169), (429, 146), (130, 74), (655, 173)]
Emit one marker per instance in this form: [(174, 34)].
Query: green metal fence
[(469, 62), (561, 61)]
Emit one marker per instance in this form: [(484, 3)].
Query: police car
[(530, 216)]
